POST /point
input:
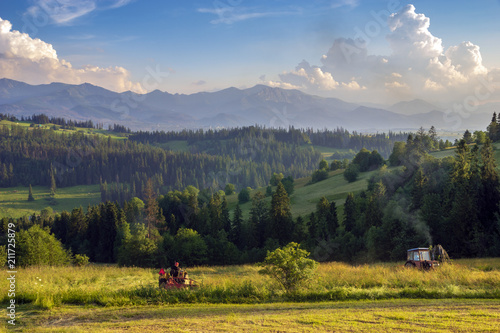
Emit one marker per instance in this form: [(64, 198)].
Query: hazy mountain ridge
[(231, 107)]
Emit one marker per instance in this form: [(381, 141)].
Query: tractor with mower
[(420, 257), (179, 280)]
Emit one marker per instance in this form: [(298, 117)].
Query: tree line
[(31, 156)]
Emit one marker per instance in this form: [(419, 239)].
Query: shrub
[(289, 266), (319, 175), (80, 260), (244, 195), (351, 173), (229, 189), (36, 246)]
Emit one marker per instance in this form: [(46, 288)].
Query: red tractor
[(166, 281), (420, 257)]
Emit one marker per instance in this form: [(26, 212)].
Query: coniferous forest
[(161, 205)]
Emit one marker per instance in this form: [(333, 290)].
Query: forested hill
[(420, 201), (234, 141), (207, 159)]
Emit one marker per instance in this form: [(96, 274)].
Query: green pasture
[(88, 131), (14, 200), (306, 195)]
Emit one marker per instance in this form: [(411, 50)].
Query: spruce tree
[(333, 221), (30, 194), (259, 218), (52, 183), (237, 227), (350, 213), (281, 216), (154, 218)]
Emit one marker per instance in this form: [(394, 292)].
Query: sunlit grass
[(47, 287)]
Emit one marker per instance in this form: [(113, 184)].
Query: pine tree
[(226, 220), (350, 213), (281, 216), (333, 221), (52, 182), (493, 128), (237, 227), (490, 194), (30, 194), (215, 209), (322, 217), (259, 218), (417, 192), (154, 219)]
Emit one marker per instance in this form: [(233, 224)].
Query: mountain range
[(231, 107)]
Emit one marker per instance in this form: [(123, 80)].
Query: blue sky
[(211, 45)]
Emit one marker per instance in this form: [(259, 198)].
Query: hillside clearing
[(14, 200)]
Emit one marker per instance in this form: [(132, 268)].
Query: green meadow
[(89, 131), (14, 200), (464, 295)]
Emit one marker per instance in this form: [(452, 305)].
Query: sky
[(360, 51)]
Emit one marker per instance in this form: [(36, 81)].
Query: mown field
[(463, 296), (449, 315)]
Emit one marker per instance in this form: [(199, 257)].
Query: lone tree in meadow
[(30, 194), (52, 183), (289, 266)]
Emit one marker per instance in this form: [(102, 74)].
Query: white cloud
[(309, 78), (466, 58), (64, 12), (36, 62), (231, 14), (411, 37), (199, 83), (344, 3), (417, 67)]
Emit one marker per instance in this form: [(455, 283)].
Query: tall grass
[(102, 285)]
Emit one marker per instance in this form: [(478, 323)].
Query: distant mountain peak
[(415, 106)]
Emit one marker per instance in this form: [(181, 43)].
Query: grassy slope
[(14, 200), (102, 132), (306, 196), (451, 152)]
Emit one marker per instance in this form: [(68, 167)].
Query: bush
[(80, 260), (244, 195), (336, 165), (36, 246), (289, 266), (229, 189), (276, 178), (288, 183), (323, 164), (319, 175), (351, 173)]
